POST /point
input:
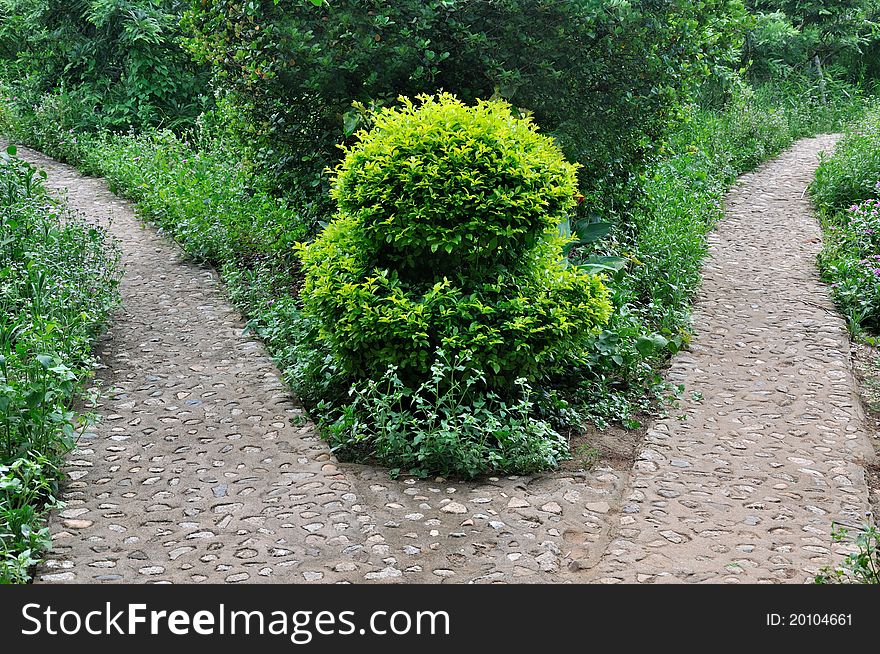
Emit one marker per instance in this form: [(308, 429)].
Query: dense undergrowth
[(200, 189), (58, 278), (847, 194), (221, 120), (462, 300)]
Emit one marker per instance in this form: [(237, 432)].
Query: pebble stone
[(743, 484), (203, 469)]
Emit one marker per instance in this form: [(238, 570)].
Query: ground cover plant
[(862, 566), (58, 278), (847, 192), (667, 104)]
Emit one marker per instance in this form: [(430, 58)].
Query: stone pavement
[(743, 483), (199, 472), (203, 470)]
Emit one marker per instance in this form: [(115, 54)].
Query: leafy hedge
[(446, 247), (605, 78), (58, 278)]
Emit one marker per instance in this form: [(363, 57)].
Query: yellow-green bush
[(443, 185), (447, 237)]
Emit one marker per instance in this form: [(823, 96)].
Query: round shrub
[(447, 237), (444, 185)]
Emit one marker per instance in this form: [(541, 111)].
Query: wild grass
[(58, 280)]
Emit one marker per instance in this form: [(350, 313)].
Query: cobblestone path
[(742, 484), (199, 471)]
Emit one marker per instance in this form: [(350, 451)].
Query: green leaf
[(588, 232), (350, 121), (597, 264), (12, 150), (648, 345), (45, 361)]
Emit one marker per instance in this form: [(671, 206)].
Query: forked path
[(200, 472), (744, 482)]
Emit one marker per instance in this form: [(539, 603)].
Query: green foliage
[(850, 260), (207, 197), (604, 77), (445, 186), (480, 271), (661, 244), (441, 286), (202, 192), (58, 278), (117, 62), (861, 566), (663, 240), (791, 36), (27, 492), (683, 201), (446, 425), (846, 190), (851, 174), (775, 46), (447, 236)]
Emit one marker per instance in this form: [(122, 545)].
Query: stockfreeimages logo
[(300, 627)]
